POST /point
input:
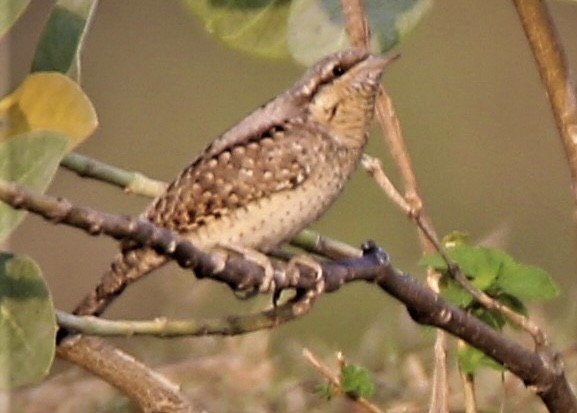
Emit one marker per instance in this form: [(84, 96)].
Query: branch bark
[(542, 369), (555, 73), (152, 392)]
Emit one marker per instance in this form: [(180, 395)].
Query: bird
[(268, 177)]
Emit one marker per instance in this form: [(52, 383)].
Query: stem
[(555, 73), (133, 182)]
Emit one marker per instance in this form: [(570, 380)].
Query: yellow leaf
[(48, 101)]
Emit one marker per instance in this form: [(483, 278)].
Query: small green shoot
[(356, 381)]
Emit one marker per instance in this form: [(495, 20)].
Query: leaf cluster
[(41, 121), (498, 275)]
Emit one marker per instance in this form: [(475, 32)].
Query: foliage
[(27, 322), (40, 121), (305, 30), (356, 381), (31, 160), (47, 101), (495, 273)]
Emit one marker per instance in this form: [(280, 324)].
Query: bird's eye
[(338, 70)]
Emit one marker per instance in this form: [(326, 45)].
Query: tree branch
[(239, 274), (152, 392), (164, 328), (555, 73), (541, 369)]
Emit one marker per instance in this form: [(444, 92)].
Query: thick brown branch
[(149, 390), (240, 274), (541, 369), (555, 73)]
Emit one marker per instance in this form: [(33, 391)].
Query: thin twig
[(357, 25), (411, 203), (132, 182), (387, 118), (468, 384), (374, 168), (470, 401), (165, 328)]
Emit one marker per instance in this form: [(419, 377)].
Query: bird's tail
[(127, 267)]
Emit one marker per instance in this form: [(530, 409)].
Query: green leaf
[(527, 282), (492, 318), (48, 101), (27, 322), (356, 381), (470, 359), (495, 272), (316, 27), (513, 303), (433, 260), (454, 294), (481, 265), (254, 26), (31, 160), (63, 37), (305, 29), (10, 11)]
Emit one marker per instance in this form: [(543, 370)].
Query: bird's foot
[(261, 260)]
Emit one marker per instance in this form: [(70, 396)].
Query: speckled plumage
[(268, 177)]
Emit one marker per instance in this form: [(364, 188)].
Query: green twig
[(162, 327), (328, 247), (133, 182)]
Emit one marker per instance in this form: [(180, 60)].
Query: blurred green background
[(472, 108)]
